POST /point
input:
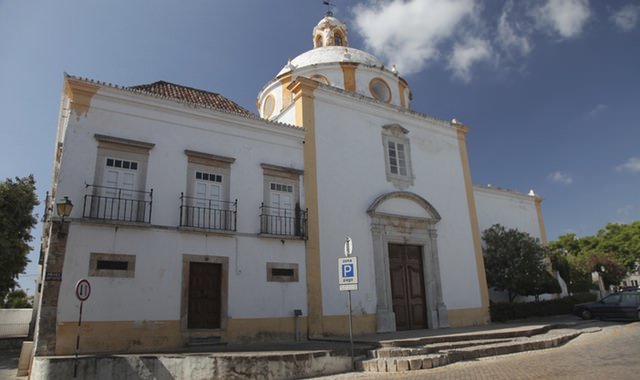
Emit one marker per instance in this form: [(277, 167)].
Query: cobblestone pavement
[(612, 353)]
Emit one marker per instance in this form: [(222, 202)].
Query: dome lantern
[(330, 32)]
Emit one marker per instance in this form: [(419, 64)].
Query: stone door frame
[(388, 227)]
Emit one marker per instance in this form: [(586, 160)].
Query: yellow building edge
[(475, 228), (303, 90)]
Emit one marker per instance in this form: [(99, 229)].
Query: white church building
[(195, 219)]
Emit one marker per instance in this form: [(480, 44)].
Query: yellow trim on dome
[(285, 80), (349, 75), (402, 86)]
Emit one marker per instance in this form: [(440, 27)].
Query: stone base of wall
[(209, 366)]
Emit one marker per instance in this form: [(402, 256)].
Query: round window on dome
[(268, 106), (380, 90)]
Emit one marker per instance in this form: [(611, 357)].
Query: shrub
[(502, 312)]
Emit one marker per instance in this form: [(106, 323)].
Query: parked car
[(622, 305)]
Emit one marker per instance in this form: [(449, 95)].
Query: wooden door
[(205, 281), (407, 286)]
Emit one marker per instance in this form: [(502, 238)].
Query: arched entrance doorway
[(408, 286)]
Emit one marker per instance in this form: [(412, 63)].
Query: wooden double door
[(407, 286), (205, 295)]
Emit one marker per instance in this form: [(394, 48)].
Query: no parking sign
[(83, 290)]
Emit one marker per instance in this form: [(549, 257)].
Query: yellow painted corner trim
[(302, 89), (543, 231), (79, 93), (473, 218)]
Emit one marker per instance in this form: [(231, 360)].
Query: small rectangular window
[(282, 272), (112, 265), (287, 272)]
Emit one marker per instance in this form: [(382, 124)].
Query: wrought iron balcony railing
[(208, 214), (283, 221), (112, 203)]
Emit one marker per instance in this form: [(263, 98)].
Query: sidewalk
[(319, 357)]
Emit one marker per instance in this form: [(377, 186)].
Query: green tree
[(621, 242), (566, 254), (514, 262), (17, 299), (17, 201), (612, 252)]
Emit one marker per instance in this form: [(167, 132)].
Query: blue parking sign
[(347, 271)]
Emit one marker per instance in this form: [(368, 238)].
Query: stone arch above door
[(403, 217), (402, 203)]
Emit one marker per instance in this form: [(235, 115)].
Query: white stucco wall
[(508, 208), (351, 175), (154, 293)]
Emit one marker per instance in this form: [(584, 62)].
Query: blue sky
[(550, 89)]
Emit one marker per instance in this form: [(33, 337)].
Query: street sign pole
[(83, 291), (348, 250), (75, 362), (353, 359)]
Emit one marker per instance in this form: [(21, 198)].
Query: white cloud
[(466, 54), (626, 18), (509, 34), (410, 33), (632, 165), (595, 111), (560, 177), (565, 17)]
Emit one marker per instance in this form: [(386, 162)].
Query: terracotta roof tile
[(192, 96)]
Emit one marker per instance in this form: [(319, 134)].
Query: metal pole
[(353, 360), (75, 363)]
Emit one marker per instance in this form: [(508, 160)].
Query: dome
[(331, 54), (333, 63)]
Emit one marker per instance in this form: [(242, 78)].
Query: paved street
[(612, 354)]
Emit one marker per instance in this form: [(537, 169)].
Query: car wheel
[(639, 315), (586, 314)]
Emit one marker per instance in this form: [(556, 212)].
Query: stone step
[(499, 334), (388, 352), (451, 355)]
